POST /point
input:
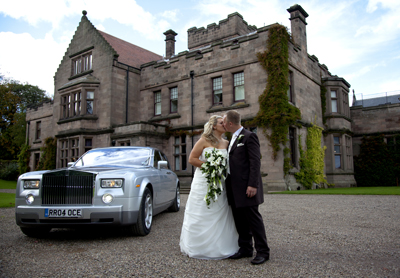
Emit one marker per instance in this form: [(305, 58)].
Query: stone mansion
[(108, 92)]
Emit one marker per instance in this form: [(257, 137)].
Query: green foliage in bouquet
[(214, 170)]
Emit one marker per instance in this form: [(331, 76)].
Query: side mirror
[(162, 165), (70, 164)]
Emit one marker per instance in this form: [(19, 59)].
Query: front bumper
[(34, 216)]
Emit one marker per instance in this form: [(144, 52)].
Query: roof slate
[(377, 101), (130, 54)]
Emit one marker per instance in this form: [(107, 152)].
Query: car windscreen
[(115, 157)]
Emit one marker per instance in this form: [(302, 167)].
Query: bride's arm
[(196, 152)]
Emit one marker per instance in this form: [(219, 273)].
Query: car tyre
[(176, 205), (145, 218), (35, 232)]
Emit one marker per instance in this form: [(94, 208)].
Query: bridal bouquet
[(214, 169)]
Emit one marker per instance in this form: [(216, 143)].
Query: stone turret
[(230, 27)]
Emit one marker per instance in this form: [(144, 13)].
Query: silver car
[(123, 186)]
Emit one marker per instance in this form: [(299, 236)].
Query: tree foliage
[(14, 100)]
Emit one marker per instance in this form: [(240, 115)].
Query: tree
[(14, 100)]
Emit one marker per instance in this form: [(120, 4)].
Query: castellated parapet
[(227, 28)]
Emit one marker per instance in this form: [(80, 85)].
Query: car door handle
[(168, 173)]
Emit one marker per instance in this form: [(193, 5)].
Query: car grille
[(67, 188)]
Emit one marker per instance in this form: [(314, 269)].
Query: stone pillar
[(298, 26), (170, 43)]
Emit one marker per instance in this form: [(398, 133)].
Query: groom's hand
[(251, 191)]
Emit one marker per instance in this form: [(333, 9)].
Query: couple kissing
[(221, 216)]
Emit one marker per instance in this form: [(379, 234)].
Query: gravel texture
[(309, 236)]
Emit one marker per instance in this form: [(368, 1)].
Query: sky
[(358, 40)]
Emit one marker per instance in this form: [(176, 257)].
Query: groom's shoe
[(239, 255), (260, 260)]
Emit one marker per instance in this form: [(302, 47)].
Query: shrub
[(9, 171), (375, 165)]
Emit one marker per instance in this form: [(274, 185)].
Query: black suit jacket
[(245, 165)]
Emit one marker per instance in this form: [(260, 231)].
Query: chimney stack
[(298, 26), (170, 43)]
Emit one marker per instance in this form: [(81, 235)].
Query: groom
[(245, 189)]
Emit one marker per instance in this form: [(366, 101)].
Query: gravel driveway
[(309, 236)]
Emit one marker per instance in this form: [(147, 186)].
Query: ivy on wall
[(312, 159), (276, 113), (181, 132), (48, 158), (23, 159)]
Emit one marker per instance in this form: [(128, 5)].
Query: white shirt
[(234, 136)]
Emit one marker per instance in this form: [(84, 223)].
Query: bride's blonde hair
[(208, 133)]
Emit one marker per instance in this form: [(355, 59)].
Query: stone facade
[(375, 116), (164, 103)]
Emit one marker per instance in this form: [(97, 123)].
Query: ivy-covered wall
[(276, 114), (312, 159), (48, 156)]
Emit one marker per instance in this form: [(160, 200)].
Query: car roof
[(125, 147)]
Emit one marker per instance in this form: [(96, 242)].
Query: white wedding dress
[(207, 233)]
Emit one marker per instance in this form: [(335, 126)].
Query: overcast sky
[(358, 40)]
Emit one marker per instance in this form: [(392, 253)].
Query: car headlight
[(32, 184), (112, 183)]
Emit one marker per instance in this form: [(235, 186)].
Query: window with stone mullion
[(337, 152), (238, 84), (174, 100), (157, 103), (217, 90)]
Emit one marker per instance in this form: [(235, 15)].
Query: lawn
[(7, 200), (8, 184), (395, 190)]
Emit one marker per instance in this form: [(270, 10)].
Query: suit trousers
[(249, 225)]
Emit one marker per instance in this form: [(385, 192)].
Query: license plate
[(63, 213)]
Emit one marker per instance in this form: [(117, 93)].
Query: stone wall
[(42, 113), (367, 121), (230, 27)]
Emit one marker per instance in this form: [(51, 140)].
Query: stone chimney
[(170, 43), (298, 26)]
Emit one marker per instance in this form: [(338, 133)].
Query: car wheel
[(145, 219), (35, 232), (176, 205)]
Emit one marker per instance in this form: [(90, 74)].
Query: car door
[(169, 179), (162, 194)]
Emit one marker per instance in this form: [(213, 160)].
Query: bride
[(208, 232)]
